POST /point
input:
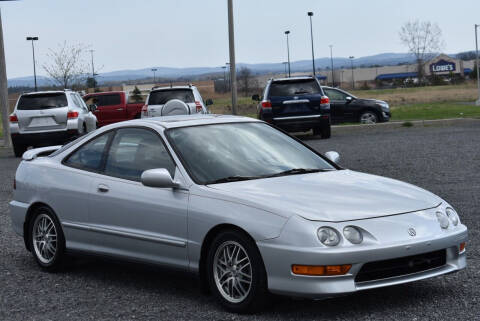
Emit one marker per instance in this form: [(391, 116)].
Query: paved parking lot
[(444, 160)]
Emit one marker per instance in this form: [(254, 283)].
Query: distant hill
[(383, 59)]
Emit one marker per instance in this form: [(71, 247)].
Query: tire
[(245, 286), (46, 239), (18, 149), (368, 117), (323, 132)]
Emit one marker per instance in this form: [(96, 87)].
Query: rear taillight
[(198, 107), (13, 118), (266, 104), (324, 100), (145, 110), (72, 114)]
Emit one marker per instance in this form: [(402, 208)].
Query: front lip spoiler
[(369, 218)]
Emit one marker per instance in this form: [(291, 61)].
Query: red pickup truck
[(113, 107)]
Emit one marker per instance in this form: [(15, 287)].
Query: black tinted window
[(334, 94), (42, 101), (161, 97), (294, 88), (107, 100), (134, 151), (89, 156)]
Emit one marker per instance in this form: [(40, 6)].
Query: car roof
[(293, 78), (106, 93), (189, 120), (46, 92), (173, 87)]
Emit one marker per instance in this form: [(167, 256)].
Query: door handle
[(103, 188), (119, 109)]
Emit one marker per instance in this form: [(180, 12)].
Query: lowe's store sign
[(442, 66)]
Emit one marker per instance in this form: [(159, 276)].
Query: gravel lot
[(444, 160)]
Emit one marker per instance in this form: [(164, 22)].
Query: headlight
[(328, 236), (384, 105), (453, 216), (442, 219), (353, 234)]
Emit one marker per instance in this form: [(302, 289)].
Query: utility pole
[(233, 72), (288, 53), (4, 90), (34, 68), (310, 14), (353, 78), (93, 70), (478, 66), (331, 60)]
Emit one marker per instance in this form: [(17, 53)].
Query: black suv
[(296, 104), (345, 107)]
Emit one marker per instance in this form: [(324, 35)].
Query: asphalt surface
[(444, 160)]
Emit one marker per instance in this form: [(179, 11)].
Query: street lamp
[(310, 14), (32, 39), (353, 79), (154, 79), (478, 66), (285, 65), (331, 60), (288, 52)]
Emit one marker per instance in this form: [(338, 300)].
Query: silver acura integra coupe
[(249, 208)]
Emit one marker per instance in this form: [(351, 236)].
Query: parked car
[(345, 107), (247, 207), (296, 104), (47, 118), (175, 100), (113, 106)]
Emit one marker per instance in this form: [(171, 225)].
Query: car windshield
[(161, 97), (241, 151), (42, 101), (294, 88)]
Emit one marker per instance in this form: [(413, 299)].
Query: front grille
[(401, 266)]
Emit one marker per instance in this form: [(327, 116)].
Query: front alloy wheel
[(368, 117)]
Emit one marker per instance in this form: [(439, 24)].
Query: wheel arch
[(370, 109), (30, 212)]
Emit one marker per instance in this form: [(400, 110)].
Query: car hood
[(335, 196)]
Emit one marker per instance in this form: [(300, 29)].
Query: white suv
[(48, 118), (175, 100)]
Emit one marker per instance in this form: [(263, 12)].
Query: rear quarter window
[(294, 88), (161, 97), (42, 101)]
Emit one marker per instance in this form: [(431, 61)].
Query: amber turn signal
[(319, 270), (462, 247)]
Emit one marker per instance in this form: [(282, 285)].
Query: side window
[(334, 94), (135, 150), (89, 156), (75, 101)]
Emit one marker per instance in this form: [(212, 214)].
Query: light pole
[(331, 60), (4, 91), (478, 66), (353, 79), (310, 14), (288, 52), (233, 72), (154, 79), (33, 52), (93, 70), (285, 65)]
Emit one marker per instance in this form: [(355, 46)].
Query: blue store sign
[(442, 66)]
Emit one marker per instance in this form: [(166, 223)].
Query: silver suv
[(49, 118), (176, 100)]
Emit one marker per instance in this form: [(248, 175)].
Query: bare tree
[(244, 78), (66, 65), (423, 38)]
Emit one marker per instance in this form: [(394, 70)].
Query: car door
[(133, 220), (338, 104), (110, 108)]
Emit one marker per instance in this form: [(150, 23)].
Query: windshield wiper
[(232, 179), (295, 171)]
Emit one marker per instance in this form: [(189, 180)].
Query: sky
[(138, 34)]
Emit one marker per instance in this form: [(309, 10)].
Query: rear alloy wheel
[(236, 273), (46, 239), (368, 117)]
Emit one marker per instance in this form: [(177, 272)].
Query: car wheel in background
[(368, 117), (236, 273), (18, 149), (47, 241)]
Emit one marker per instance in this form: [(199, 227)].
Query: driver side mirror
[(256, 97), (333, 156), (158, 177), (349, 99), (92, 107), (209, 102)]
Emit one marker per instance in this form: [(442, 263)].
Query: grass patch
[(407, 124), (429, 111)]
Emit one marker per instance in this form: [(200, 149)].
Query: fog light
[(443, 220), (462, 247), (321, 270)]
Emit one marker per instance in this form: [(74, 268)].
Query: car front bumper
[(279, 258)]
